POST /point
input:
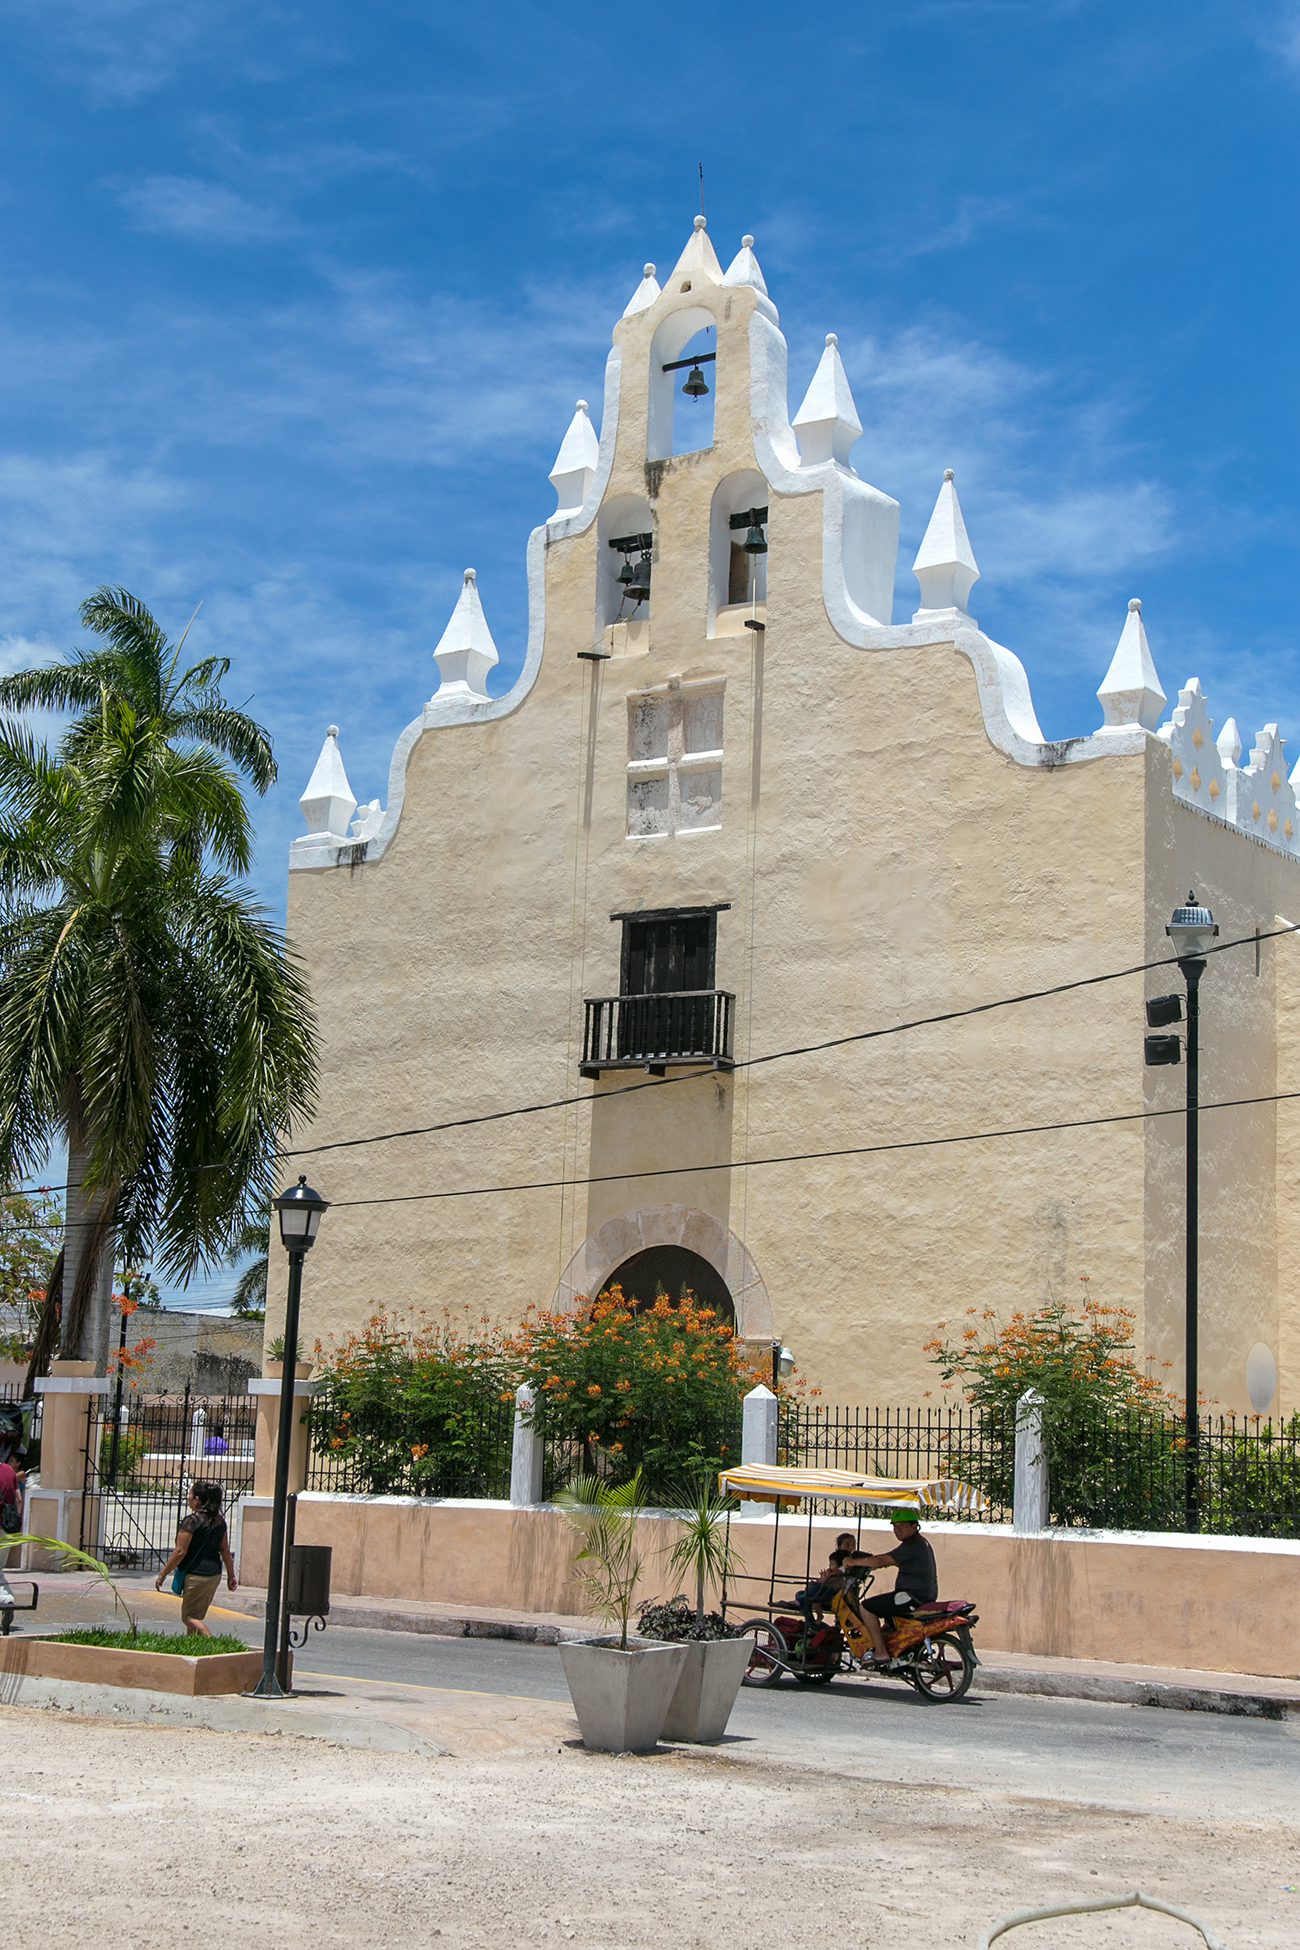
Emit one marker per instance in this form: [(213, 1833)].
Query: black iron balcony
[(649, 1032)]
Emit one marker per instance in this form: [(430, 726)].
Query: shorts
[(198, 1595), (886, 1606)]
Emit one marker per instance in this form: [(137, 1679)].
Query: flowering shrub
[(1077, 1362), (132, 1363), (415, 1408), (655, 1388), (1113, 1443)]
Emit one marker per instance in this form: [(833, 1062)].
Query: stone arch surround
[(671, 1225)]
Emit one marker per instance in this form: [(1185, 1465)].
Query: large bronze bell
[(695, 385), (753, 543)]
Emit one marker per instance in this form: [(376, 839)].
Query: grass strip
[(189, 1645)]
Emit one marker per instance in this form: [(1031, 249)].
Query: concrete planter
[(706, 1692), (159, 1672), (621, 1698)]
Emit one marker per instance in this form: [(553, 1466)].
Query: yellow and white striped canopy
[(757, 1483)]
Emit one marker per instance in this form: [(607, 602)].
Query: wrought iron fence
[(900, 1442), (384, 1450), (1111, 1472), (1130, 1472), (142, 1457)]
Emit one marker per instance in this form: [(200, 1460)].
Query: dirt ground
[(124, 1835)]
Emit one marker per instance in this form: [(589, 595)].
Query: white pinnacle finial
[(329, 802), (575, 464), (466, 652), (698, 263), (1130, 692), (945, 564), (1229, 742), (644, 295), (827, 423), (743, 268)]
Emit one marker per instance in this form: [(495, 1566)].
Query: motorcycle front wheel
[(944, 1672), (768, 1653)]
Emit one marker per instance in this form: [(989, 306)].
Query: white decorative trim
[(270, 1386), (72, 1384), (859, 550)]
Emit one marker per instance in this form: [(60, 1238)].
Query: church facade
[(731, 821)]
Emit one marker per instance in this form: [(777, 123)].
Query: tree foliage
[(149, 1011), (30, 1225)]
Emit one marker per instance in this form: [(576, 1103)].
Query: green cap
[(905, 1516)]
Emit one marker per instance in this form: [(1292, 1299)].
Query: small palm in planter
[(620, 1692), (715, 1662)]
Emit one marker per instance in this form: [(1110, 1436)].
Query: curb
[(219, 1713), (364, 1618), (1137, 1692)]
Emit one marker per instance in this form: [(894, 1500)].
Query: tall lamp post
[(1191, 929), (300, 1212)]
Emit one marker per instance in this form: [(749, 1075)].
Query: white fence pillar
[(527, 1453), (758, 1427), (198, 1431), (1029, 1498)]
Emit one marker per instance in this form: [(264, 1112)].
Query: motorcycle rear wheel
[(945, 1672), (769, 1654)]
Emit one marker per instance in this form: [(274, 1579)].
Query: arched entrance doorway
[(672, 1270), (638, 1229)]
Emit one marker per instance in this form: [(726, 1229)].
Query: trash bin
[(307, 1580)]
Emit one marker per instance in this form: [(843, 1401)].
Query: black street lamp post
[(1191, 930), (300, 1213)]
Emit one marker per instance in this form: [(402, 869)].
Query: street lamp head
[(300, 1210), (1191, 930)]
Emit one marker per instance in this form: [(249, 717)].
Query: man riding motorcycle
[(916, 1583)]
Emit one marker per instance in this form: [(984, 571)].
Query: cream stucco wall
[(884, 857)]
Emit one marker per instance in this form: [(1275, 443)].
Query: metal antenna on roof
[(701, 189)]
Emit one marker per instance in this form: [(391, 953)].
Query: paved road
[(1077, 1750)]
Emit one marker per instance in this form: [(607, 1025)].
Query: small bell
[(627, 574), (638, 584), (753, 543), (695, 385)]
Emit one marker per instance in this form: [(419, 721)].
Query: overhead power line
[(773, 1056), (803, 1157)]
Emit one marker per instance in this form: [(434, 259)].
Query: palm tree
[(149, 1013), (254, 1236)]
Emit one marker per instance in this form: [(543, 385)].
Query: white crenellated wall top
[(859, 549)]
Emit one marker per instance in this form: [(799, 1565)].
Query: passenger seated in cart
[(811, 1599), (917, 1582)]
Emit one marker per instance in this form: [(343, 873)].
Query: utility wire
[(773, 1056), (801, 1157)]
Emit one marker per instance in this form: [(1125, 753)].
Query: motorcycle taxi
[(931, 1649)]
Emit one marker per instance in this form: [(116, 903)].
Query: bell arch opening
[(678, 423), (674, 1270)]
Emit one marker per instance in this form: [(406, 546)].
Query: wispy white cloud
[(974, 216), (123, 49), (185, 206)]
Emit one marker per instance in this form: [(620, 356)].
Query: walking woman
[(202, 1547)]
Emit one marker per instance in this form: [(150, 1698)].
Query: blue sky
[(295, 302)]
